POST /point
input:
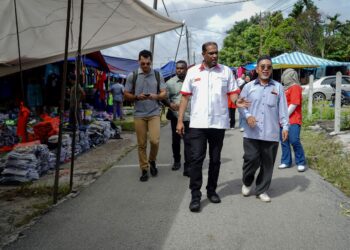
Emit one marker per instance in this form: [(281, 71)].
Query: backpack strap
[(157, 75), (134, 78)]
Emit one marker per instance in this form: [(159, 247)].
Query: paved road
[(119, 212)]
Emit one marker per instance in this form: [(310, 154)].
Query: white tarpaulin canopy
[(42, 26)]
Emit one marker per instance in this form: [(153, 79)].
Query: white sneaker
[(264, 197), (283, 166), (241, 129), (246, 190), (301, 168)]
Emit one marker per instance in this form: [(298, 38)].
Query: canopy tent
[(94, 59), (298, 60), (120, 65), (168, 70), (42, 25), (302, 60)]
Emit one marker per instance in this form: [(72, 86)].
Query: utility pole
[(155, 3), (188, 48)]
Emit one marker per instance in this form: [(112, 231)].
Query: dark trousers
[(232, 114), (258, 153), (176, 143), (199, 140)]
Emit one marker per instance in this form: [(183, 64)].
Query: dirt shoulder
[(19, 206)]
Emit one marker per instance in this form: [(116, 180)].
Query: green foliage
[(326, 156), (321, 111), (303, 30)]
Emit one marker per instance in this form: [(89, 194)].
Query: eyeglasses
[(263, 66), (146, 64)]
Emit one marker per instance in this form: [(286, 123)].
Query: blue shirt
[(269, 107)]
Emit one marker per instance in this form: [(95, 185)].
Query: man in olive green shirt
[(174, 86)]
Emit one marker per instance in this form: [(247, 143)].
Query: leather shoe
[(214, 198), (144, 176), (195, 205), (153, 168), (176, 166)]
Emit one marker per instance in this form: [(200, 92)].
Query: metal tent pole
[(61, 107), (79, 80), (19, 55)]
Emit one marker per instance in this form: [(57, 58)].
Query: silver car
[(322, 89)]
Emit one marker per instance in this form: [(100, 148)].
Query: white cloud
[(222, 24)]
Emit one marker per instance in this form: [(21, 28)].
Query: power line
[(213, 5), (166, 11), (274, 5), (220, 33)]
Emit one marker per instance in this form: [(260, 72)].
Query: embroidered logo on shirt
[(197, 79), (274, 92)]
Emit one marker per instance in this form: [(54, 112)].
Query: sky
[(210, 24)]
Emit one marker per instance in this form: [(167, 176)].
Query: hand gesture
[(251, 121), (242, 103)]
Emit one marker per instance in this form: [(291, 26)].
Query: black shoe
[(186, 173), (144, 176), (153, 168), (195, 205), (214, 198), (176, 166)]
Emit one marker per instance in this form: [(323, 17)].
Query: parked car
[(322, 89), (344, 96)]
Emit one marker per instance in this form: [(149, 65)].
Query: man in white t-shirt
[(209, 84)]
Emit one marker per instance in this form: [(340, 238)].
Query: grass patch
[(28, 190), (326, 156), (322, 111), (39, 209)]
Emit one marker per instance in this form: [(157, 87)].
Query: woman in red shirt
[(293, 92)]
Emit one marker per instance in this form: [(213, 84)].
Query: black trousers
[(232, 114), (199, 140), (176, 143), (258, 153)]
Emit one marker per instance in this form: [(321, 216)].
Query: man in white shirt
[(209, 84)]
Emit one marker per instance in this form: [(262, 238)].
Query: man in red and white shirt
[(209, 84)]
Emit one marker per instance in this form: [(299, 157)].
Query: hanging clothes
[(23, 116)]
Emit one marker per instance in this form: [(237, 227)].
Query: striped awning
[(302, 60)]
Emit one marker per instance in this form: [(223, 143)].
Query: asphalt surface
[(120, 212)]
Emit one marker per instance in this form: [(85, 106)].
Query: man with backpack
[(146, 88)]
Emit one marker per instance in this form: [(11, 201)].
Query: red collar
[(202, 67)]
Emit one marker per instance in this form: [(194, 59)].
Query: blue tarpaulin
[(121, 65), (168, 70), (87, 61)]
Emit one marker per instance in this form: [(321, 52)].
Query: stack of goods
[(84, 141), (26, 162), (99, 132), (8, 138), (66, 147)]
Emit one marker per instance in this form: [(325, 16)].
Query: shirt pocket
[(272, 100), (221, 85)]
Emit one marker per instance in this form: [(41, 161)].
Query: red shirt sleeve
[(295, 95)]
